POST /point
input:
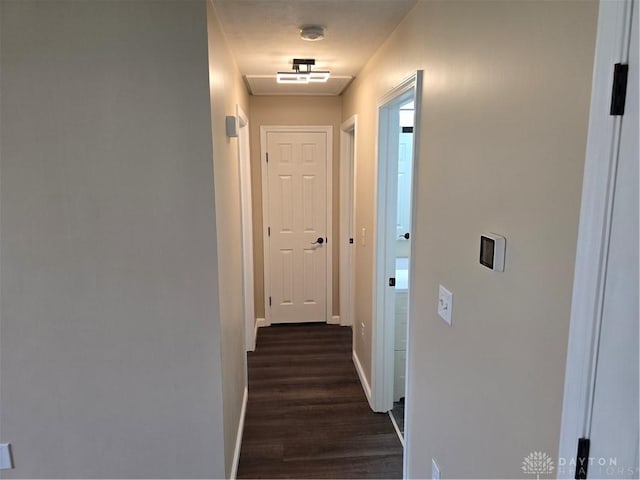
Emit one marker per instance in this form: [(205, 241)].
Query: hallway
[(307, 415), (169, 167)]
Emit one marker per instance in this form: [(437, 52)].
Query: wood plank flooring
[(307, 415)]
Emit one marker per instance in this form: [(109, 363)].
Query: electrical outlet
[(445, 304), (435, 471), (6, 459)]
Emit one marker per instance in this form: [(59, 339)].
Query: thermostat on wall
[(492, 251)]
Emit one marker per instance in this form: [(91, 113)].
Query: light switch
[(363, 237), (445, 304)]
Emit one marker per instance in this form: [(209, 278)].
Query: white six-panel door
[(296, 219)]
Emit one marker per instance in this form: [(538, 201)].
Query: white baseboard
[(236, 453), (345, 322), (363, 379), (255, 336), (396, 428), (261, 322), (335, 320)]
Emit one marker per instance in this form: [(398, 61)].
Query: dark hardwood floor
[(307, 415)]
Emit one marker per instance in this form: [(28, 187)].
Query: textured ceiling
[(264, 34)]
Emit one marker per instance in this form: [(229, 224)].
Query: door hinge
[(392, 282), (582, 459), (268, 231), (619, 88), (351, 240), (267, 157), (269, 301)]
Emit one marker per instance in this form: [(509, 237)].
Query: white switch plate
[(445, 304), (435, 471), (6, 462)]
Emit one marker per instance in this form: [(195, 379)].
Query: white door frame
[(244, 162), (348, 134), (385, 184), (328, 130), (612, 46)]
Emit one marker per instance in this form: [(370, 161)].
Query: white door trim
[(348, 132), (612, 46), (383, 331), (328, 130), (244, 161)]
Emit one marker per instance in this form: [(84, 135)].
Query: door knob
[(319, 241), (406, 236)]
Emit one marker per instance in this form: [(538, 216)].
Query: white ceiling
[(264, 37)]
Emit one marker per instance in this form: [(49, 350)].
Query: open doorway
[(402, 253), (347, 220), (398, 113), (244, 157)]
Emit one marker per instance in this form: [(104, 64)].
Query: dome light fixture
[(312, 33)]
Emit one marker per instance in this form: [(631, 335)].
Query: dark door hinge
[(392, 282), (582, 459), (268, 231), (619, 89), (267, 157), (269, 301), (351, 240)]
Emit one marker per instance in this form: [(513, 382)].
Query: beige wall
[(110, 325), (502, 144), (227, 90), (291, 110)]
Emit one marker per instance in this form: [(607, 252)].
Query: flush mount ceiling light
[(312, 33), (302, 73)]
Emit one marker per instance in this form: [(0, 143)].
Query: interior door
[(403, 231), (614, 424), (404, 181), (297, 225)]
